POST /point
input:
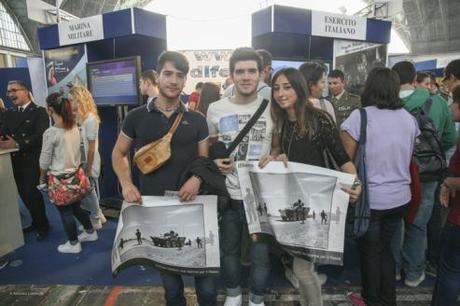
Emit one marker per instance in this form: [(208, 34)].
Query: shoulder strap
[(322, 104), (363, 128), (260, 89), (248, 126), (426, 107), (173, 128)]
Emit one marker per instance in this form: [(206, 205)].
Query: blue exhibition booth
[(126, 34)]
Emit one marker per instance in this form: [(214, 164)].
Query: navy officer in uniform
[(23, 129), (343, 101)]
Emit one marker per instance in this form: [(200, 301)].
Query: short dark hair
[(199, 85), (453, 68), (456, 95), (420, 76), (312, 72), (336, 73), (382, 89), (432, 77), (178, 59), (245, 54), (266, 57), (405, 71), (149, 75), (19, 83)]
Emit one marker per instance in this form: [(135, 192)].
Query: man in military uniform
[(23, 129), (344, 102)]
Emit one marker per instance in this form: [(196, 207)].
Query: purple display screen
[(114, 82)]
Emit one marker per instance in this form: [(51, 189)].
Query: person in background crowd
[(195, 96), (226, 118), (210, 92), (451, 77), (423, 80), (409, 254), (343, 101), (60, 155), (434, 86), (148, 85), (148, 123), (295, 118), (388, 180), (85, 109), (263, 88), (23, 128), (228, 82), (315, 76), (447, 286), (2, 112)]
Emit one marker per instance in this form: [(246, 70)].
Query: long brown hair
[(304, 109), (210, 92), (63, 108)]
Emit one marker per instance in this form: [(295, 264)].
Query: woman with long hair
[(210, 92), (302, 133), (85, 112), (391, 133), (61, 155)]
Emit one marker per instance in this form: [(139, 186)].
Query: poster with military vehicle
[(172, 236), (302, 206)]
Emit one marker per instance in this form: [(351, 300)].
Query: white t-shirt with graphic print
[(226, 119)]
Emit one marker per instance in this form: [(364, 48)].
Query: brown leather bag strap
[(176, 123)]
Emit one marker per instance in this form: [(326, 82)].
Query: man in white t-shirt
[(226, 118)]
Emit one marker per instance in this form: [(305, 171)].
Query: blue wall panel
[(378, 31), (292, 20), (262, 22), (117, 24), (149, 24), (48, 37)]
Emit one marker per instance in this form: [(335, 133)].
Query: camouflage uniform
[(345, 105)]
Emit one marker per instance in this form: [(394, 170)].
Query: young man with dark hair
[(226, 118), (411, 257), (343, 101), (263, 88), (452, 75), (23, 128), (148, 123), (148, 84)]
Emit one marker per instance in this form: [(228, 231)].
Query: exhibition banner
[(338, 26), (356, 59), (206, 66), (81, 30), (302, 206), (170, 235), (64, 67)]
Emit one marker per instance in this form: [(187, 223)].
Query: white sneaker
[(97, 223), (322, 278), (84, 236), (415, 282), (234, 300), (103, 219), (69, 248), (254, 304)]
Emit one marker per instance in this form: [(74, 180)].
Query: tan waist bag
[(153, 155)]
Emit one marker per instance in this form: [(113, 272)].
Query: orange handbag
[(155, 154)]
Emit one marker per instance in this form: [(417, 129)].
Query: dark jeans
[(26, 182), (434, 230), (377, 262), (447, 285), (68, 213), (232, 222), (205, 288)]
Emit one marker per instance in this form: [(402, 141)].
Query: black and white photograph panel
[(302, 216), (170, 235)]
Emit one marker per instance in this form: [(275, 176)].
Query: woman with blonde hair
[(85, 111)]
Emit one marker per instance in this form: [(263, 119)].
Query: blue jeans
[(377, 263), (68, 213), (232, 222), (434, 231), (447, 285), (91, 201), (409, 251), (205, 288)]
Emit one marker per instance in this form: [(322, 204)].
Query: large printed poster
[(356, 59), (303, 206), (168, 234), (65, 67)]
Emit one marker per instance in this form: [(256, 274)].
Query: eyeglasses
[(14, 90)]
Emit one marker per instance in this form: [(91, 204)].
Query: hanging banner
[(356, 59), (81, 30), (338, 26), (206, 66), (65, 67)]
